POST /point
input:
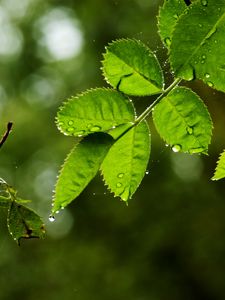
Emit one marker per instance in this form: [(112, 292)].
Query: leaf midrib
[(151, 81), (183, 120)]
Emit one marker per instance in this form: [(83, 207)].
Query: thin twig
[(6, 134), (150, 108)]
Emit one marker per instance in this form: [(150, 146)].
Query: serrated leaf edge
[(150, 53), (72, 98), (217, 165), (205, 151)]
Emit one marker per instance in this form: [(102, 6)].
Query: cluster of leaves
[(22, 222), (111, 138)]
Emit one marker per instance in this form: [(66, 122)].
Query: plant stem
[(6, 134), (150, 108)]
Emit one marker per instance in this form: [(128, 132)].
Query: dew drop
[(215, 41), (70, 123), (210, 83), (125, 195), (200, 25), (197, 150), (175, 16), (204, 2), (120, 175), (167, 41), (119, 184), (70, 129), (147, 172), (15, 239), (207, 75), (176, 148), (203, 57), (189, 73), (189, 130), (95, 128), (89, 126), (79, 133), (51, 218)]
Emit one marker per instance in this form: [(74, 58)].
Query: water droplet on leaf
[(95, 128), (167, 41), (79, 133), (120, 175), (176, 148), (70, 123), (204, 2), (125, 195), (207, 75), (189, 130), (210, 83), (119, 184), (188, 73), (51, 218), (147, 172), (197, 150), (70, 129)]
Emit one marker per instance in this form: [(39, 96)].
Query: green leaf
[(24, 223), (132, 68), (220, 169), (93, 111), (197, 49), (168, 15), (183, 121), (79, 168), (124, 166)]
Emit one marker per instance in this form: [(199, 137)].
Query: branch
[(150, 108), (7, 132)]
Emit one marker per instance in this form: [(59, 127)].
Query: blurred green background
[(169, 243)]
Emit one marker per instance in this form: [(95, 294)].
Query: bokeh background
[(169, 243)]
